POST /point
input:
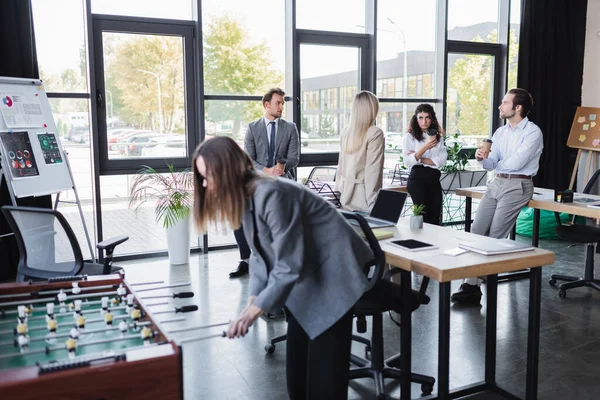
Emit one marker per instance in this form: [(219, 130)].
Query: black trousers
[(319, 368), (240, 239), (424, 188)]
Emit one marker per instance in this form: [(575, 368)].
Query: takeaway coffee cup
[(486, 146), (431, 135), (280, 165)]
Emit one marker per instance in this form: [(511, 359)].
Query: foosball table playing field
[(89, 338)]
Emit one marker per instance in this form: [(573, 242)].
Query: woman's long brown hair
[(231, 180)]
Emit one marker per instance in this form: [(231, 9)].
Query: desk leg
[(444, 343), (535, 235), (490, 333), (406, 334), (533, 332), (468, 208)]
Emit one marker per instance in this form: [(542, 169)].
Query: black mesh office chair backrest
[(47, 245), (374, 268)]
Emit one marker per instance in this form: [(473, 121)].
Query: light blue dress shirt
[(516, 151), (267, 122)]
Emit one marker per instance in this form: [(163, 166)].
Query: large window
[(473, 20), (327, 15), (173, 9)]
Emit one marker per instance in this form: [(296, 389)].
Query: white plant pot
[(416, 222), (178, 242)]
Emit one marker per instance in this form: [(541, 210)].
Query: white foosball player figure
[(21, 315), (123, 327), (104, 307), (49, 311), (23, 341), (76, 289), (129, 305), (62, 298), (77, 311)]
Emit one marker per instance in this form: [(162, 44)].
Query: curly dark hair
[(413, 126)]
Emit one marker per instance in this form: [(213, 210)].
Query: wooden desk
[(444, 268)]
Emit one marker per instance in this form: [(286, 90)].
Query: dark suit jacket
[(311, 259), (256, 144)]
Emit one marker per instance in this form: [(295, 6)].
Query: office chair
[(579, 233), (385, 296), (48, 247), (322, 180)]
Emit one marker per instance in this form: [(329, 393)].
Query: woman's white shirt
[(438, 154)]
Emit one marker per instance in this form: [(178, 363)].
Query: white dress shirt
[(516, 151), (267, 122), (438, 154)]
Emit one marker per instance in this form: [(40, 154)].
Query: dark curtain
[(551, 49), (19, 60)]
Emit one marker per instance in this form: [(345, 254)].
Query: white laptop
[(496, 246), (386, 210)]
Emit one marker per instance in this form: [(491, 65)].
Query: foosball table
[(85, 338)]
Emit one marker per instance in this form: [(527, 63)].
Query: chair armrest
[(112, 242)]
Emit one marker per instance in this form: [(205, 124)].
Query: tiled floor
[(239, 369)]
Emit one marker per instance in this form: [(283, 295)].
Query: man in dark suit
[(272, 144)]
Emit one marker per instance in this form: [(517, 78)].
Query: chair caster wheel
[(562, 293), (426, 390), (552, 282), (270, 348)]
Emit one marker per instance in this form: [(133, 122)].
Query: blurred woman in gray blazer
[(305, 256), (360, 166)]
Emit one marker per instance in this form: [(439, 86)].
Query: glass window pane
[(145, 95), (513, 48), (329, 77), (145, 234), (244, 46), (321, 15), (231, 118), (473, 20), (469, 100), (60, 45), (173, 9), (72, 120), (405, 48)]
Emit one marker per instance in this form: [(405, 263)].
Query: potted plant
[(455, 173), (416, 221), (174, 201)]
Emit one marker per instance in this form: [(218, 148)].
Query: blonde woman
[(360, 166), (305, 257)]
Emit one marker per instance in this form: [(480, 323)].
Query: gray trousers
[(500, 206)]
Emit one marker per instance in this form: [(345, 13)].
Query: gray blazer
[(256, 144), (311, 259)]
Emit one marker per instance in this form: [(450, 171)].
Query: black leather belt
[(514, 176)]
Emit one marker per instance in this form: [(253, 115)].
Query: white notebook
[(494, 247)]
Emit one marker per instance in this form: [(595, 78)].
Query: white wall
[(590, 96)]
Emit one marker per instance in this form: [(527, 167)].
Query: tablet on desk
[(412, 245)]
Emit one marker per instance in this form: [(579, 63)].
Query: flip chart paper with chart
[(19, 154), (585, 131), (21, 110)]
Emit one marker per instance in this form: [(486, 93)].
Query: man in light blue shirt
[(515, 155)]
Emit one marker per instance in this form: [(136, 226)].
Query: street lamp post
[(160, 115), (405, 75)]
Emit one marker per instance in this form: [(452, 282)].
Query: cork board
[(585, 131)]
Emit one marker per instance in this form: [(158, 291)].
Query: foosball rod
[(193, 328), (176, 310), (165, 287), (41, 328), (146, 283), (49, 349), (65, 335), (198, 338), (53, 292), (180, 295), (72, 297), (67, 313)]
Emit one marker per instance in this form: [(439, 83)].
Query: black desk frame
[(489, 383)]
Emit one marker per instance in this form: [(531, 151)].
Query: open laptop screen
[(388, 205)]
